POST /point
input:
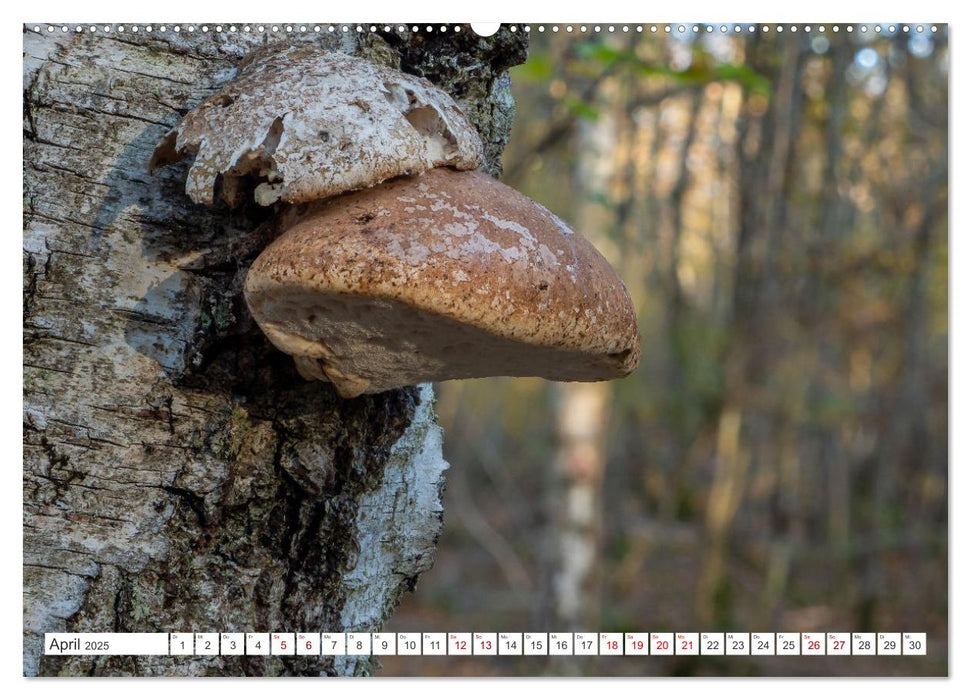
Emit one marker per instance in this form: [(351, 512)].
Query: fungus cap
[(443, 275), (313, 124)]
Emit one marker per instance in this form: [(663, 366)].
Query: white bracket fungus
[(313, 124)]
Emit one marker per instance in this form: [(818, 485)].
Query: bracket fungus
[(395, 267), (311, 124)]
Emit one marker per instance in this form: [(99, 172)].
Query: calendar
[(331, 644), (435, 347)]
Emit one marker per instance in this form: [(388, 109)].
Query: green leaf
[(749, 78), (582, 110), (537, 68), (602, 53)]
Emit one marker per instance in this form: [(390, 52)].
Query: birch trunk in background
[(579, 466), (178, 474), (576, 501)]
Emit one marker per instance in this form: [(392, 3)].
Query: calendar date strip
[(487, 644)]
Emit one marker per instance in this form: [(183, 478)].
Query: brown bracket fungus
[(439, 276), (409, 272)]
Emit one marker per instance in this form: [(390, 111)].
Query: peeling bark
[(178, 473)]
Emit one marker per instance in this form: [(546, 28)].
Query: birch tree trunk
[(581, 409), (178, 474)]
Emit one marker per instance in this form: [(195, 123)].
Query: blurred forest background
[(777, 204)]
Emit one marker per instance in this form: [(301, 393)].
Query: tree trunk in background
[(764, 151), (178, 474), (579, 466), (576, 499)]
